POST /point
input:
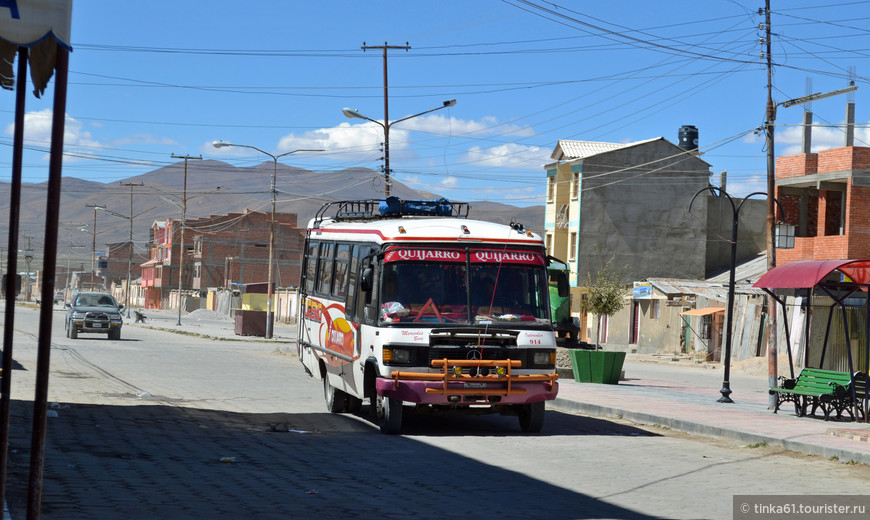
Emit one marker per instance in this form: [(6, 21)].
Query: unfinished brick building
[(826, 196), (220, 250)]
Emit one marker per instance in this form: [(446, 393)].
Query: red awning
[(808, 273)]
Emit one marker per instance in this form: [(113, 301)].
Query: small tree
[(606, 294)]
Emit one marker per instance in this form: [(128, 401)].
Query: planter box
[(597, 366)]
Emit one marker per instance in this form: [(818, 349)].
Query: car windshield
[(94, 300), (439, 293)]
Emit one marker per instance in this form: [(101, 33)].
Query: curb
[(705, 430)]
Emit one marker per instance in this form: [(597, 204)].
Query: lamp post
[(726, 381), (130, 259), (352, 113), (183, 219), (222, 144)]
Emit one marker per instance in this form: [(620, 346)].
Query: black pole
[(12, 265), (52, 214), (726, 380)]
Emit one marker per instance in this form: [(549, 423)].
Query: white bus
[(412, 303)]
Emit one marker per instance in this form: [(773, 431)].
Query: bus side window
[(324, 281), (352, 277), (311, 266), (371, 300), (339, 279), (359, 264)]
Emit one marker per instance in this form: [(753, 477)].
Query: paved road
[(144, 423)]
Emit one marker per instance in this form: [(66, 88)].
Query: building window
[(572, 252), (575, 185), (549, 242), (551, 188)]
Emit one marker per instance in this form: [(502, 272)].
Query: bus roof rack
[(391, 207)]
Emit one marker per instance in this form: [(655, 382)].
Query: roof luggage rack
[(391, 207)]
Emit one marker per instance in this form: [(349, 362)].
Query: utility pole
[(772, 363), (28, 256), (385, 48), (183, 218), (130, 258), (94, 243)]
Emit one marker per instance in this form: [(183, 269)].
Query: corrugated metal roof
[(746, 272), (709, 290), (567, 149)]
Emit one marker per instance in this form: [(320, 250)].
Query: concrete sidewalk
[(680, 396), (684, 398)]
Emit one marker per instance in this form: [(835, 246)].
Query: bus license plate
[(475, 385)]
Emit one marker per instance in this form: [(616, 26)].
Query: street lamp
[(223, 144), (726, 381), (352, 113), (130, 259)]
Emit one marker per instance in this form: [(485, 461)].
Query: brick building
[(219, 250), (826, 197), (234, 249)]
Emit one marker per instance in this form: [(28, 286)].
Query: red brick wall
[(858, 221), (847, 158), (796, 165)]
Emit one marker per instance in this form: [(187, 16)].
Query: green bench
[(829, 390)]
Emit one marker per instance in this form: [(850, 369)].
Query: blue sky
[(152, 79)]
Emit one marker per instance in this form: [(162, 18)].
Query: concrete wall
[(751, 231), (634, 208)]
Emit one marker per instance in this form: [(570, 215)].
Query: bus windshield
[(451, 292)]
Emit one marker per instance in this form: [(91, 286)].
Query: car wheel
[(531, 417), (66, 327), (73, 331), (354, 404), (389, 414), (336, 400)]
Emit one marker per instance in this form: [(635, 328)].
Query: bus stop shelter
[(847, 284)]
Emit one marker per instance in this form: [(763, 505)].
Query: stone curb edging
[(706, 430)]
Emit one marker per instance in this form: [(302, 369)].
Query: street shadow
[(494, 425), (15, 364), (161, 461)]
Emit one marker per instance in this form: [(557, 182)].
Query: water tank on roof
[(688, 137)]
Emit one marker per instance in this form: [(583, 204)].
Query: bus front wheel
[(531, 417), (388, 412)]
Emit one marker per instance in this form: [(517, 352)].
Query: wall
[(751, 231), (642, 220)]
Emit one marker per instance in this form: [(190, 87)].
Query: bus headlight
[(544, 358), (397, 356)]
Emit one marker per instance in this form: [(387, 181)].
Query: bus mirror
[(562, 282), (366, 281)]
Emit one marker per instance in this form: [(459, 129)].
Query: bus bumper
[(454, 385), (424, 392)]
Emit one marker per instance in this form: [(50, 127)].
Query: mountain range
[(211, 188)]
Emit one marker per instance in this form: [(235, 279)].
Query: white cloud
[(509, 155), (363, 140), (449, 182), (144, 139), (37, 130), (823, 138)]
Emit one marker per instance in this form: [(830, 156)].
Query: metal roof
[(745, 272), (567, 149), (711, 291), (808, 273)]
